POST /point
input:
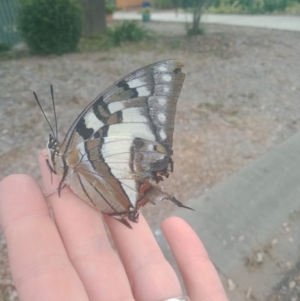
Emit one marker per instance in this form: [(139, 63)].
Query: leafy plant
[(226, 7), (272, 5), (293, 8), (50, 26), (163, 4), (197, 7), (129, 31), (109, 7), (251, 6), (4, 47), (146, 10)]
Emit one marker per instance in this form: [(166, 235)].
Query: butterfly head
[(52, 145), (53, 149)]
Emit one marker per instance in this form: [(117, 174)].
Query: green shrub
[(50, 26), (4, 47), (251, 6), (109, 7), (128, 31), (273, 5), (293, 9), (263, 6), (163, 4)]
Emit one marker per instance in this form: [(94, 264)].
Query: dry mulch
[(241, 97)]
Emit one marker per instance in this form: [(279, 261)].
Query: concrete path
[(291, 23), (250, 223)]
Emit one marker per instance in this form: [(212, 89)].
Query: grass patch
[(94, 43), (13, 55), (193, 32)]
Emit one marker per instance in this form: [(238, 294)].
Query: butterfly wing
[(148, 93), (123, 140)]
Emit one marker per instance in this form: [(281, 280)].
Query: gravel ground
[(289, 288), (240, 98)]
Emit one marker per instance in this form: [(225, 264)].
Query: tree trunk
[(94, 17), (197, 11)]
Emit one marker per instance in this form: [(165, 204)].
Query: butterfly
[(120, 146)]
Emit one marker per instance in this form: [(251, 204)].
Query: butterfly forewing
[(122, 142), (155, 87)]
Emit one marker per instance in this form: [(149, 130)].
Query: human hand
[(70, 257)]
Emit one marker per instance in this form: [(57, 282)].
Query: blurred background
[(236, 139)]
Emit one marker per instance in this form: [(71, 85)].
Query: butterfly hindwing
[(113, 169)]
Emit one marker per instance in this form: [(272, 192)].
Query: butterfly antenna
[(39, 104), (54, 110)]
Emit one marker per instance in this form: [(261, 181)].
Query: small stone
[(249, 291), (259, 257), (241, 238), (288, 264), (274, 242), (231, 284), (292, 284)]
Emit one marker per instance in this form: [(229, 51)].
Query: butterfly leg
[(171, 162), (133, 215), (122, 220), (50, 169), (61, 186), (179, 204)]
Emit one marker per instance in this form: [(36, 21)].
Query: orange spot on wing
[(142, 203), (144, 187)]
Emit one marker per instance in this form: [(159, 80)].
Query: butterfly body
[(120, 146)]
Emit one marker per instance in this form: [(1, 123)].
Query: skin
[(66, 255)]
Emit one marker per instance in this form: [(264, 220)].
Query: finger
[(39, 264), (151, 276), (83, 234), (198, 272)]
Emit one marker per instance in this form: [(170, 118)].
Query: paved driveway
[(291, 23)]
